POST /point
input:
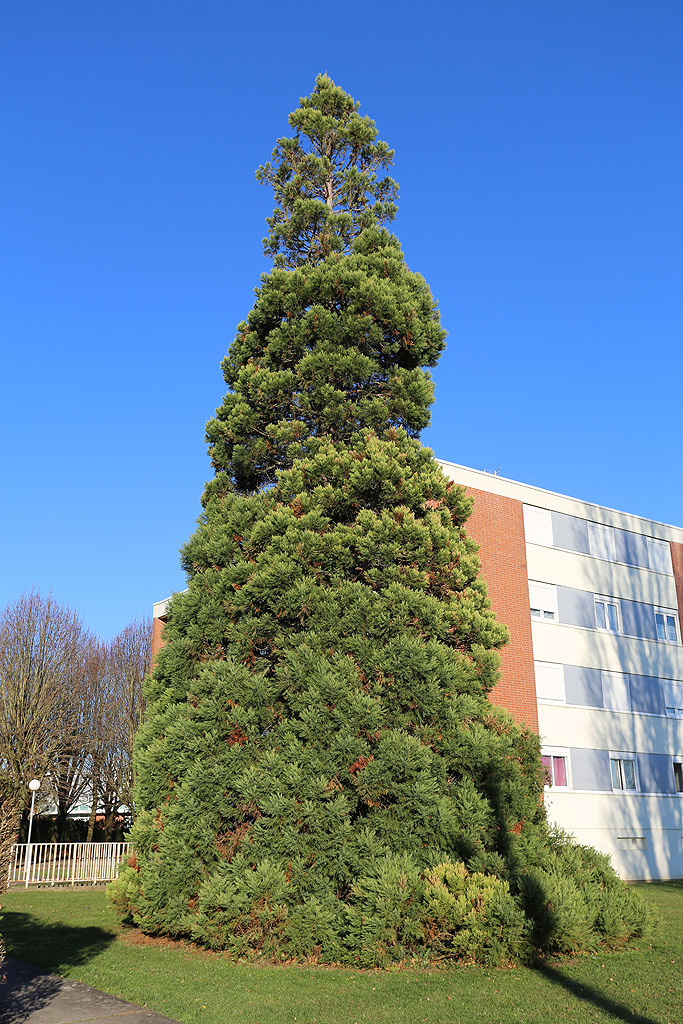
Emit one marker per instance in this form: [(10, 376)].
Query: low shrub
[(473, 916), (577, 901)]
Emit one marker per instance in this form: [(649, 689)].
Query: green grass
[(76, 934)]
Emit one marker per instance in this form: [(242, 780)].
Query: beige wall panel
[(566, 726), (601, 819), (594, 648), (598, 576)]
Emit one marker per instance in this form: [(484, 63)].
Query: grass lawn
[(75, 934)]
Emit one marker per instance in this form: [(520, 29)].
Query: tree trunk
[(109, 813), (61, 820), (23, 826), (93, 806)]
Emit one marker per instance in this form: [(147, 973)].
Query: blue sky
[(539, 154)]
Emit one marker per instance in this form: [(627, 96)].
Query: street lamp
[(34, 786)]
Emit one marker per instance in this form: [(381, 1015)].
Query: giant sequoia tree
[(321, 772)]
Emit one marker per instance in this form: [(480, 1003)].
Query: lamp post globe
[(34, 786)]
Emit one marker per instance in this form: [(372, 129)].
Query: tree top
[(325, 179)]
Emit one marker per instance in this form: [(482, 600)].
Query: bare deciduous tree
[(70, 770), (118, 711), (69, 707), (42, 646)]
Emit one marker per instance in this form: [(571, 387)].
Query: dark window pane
[(629, 774)]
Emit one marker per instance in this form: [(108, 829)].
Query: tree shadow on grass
[(50, 947), (580, 990)]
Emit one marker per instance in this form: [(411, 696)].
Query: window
[(659, 555), (601, 541), (673, 698), (538, 526), (549, 681), (623, 767), (615, 691), (678, 776), (543, 601), (667, 628), (607, 613), (555, 765)]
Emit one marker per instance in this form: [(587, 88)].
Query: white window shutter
[(543, 596), (550, 681), (601, 541), (538, 526), (659, 555), (615, 691)]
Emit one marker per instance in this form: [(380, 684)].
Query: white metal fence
[(65, 863)]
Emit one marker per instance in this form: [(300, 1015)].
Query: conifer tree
[(321, 772)]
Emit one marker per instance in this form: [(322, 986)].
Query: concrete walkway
[(30, 996)]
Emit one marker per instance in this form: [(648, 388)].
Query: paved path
[(30, 996)]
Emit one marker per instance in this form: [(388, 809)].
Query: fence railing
[(65, 863)]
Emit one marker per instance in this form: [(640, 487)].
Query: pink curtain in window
[(559, 771)]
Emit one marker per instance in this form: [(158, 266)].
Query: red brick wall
[(157, 639), (677, 562), (497, 525)]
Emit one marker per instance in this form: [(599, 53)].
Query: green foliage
[(327, 352), (474, 916), (576, 900), (325, 179), (321, 774)]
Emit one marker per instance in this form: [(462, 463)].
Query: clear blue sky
[(539, 153)]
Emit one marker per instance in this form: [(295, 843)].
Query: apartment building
[(594, 600)]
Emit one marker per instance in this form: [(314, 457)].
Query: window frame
[(620, 756), (607, 601), (667, 613), (678, 775), (562, 752)]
